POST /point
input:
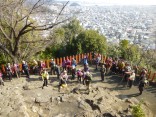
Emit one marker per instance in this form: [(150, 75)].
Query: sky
[(119, 2)]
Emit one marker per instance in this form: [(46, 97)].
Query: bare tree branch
[(19, 22), (62, 10)]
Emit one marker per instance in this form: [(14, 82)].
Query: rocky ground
[(26, 98)]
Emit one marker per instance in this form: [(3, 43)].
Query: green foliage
[(113, 51), (73, 27), (91, 40), (124, 48), (57, 35), (124, 44), (137, 111), (73, 39), (3, 59), (129, 51)]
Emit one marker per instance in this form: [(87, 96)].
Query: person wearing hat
[(143, 74), (9, 71), (131, 79), (79, 75), (64, 64), (63, 80), (98, 59), (86, 67), (25, 68), (68, 65), (73, 72), (85, 60), (58, 70), (141, 86), (74, 62), (45, 77), (103, 72), (52, 66), (87, 80), (127, 73), (35, 67)]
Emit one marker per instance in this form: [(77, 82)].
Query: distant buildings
[(114, 22), (117, 23)]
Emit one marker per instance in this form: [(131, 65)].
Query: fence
[(150, 75)]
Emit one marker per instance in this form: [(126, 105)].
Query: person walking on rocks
[(108, 65), (45, 77), (68, 65), (25, 69), (86, 68), (16, 70), (143, 74), (85, 60), (141, 86), (98, 59), (52, 66), (127, 73), (87, 80), (63, 80), (1, 79), (73, 72), (35, 67), (79, 75), (64, 64), (103, 72), (58, 71), (74, 62), (131, 79), (9, 71)]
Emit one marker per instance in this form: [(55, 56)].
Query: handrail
[(151, 76)]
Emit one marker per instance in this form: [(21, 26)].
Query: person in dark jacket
[(73, 72), (87, 80), (141, 86), (58, 71), (52, 65), (9, 71), (103, 72), (25, 69)]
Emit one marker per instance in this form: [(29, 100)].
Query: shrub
[(137, 111)]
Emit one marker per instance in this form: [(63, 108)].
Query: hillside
[(26, 98)]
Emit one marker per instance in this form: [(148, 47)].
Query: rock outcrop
[(29, 100)]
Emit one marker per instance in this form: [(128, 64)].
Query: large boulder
[(42, 99), (83, 105)]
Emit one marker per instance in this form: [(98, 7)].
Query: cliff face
[(27, 99)]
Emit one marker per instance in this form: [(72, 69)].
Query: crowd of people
[(83, 75)]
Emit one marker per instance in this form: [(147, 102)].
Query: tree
[(91, 40), (54, 49), (123, 48), (113, 50), (65, 37), (76, 40), (20, 34), (72, 30)]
